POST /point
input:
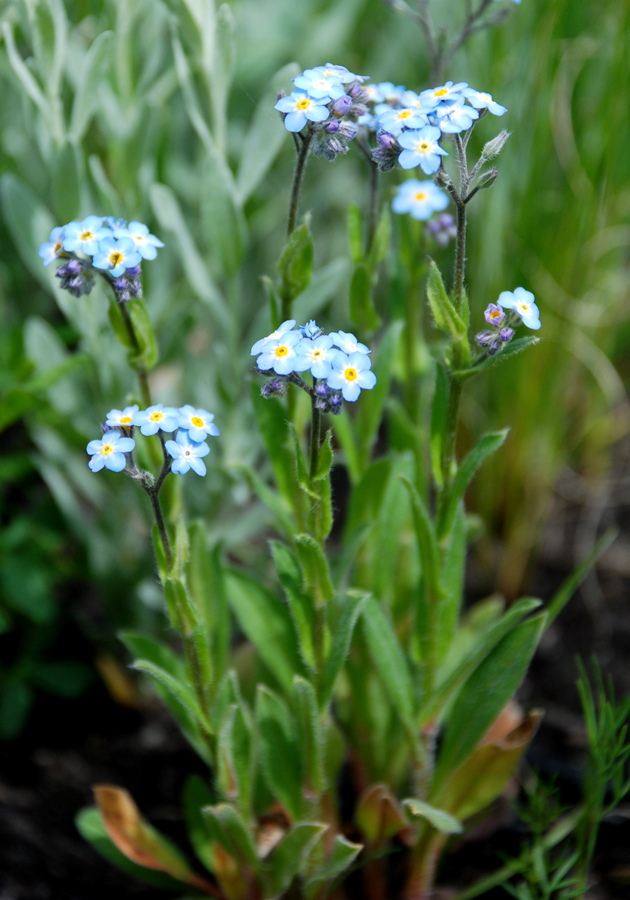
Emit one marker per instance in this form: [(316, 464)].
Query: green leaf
[(222, 217), (24, 74), (195, 796), (575, 579), (390, 661), (483, 646), (272, 421), (373, 402), (29, 223), (310, 736), (324, 458), (271, 498), (223, 59), (240, 842), (355, 232), (279, 750), (485, 693), (444, 313), (438, 422), (453, 571), (380, 247), (326, 282), (296, 264), (66, 182), (367, 496), (177, 688), (362, 312), (340, 644), (263, 139), (274, 301), (204, 579), (488, 444), (509, 350), (427, 543), (300, 603), (93, 74), (315, 568), (343, 854), (90, 826), (290, 854), (147, 356), (442, 821), (235, 757), (267, 623)]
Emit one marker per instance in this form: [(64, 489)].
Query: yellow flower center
[(351, 374), (423, 146), (523, 307), (58, 247), (197, 422), (304, 103), (441, 92), (282, 351), (316, 354), (87, 235), (115, 258), (404, 113), (157, 416), (106, 449), (186, 452), (125, 420), (420, 195), (495, 314)]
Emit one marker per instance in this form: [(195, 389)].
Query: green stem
[(316, 428), (449, 446), (142, 374), (298, 177)]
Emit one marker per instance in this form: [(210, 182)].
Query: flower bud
[(441, 177), (386, 140), (275, 386), (134, 271), (356, 91), (322, 404), (332, 127), (322, 389), (347, 130), (120, 284), (506, 334), (494, 147), (487, 180), (494, 314), (342, 105), (74, 266)]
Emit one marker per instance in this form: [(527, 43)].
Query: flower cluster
[(523, 306), (113, 245), (339, 364), (192, 425), (409, 126), (330, 100)]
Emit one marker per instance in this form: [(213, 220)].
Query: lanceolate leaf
[(441, 820), (343, 854), (279, 750), (444, 313), (486, 692), (300, 601), (509, 350), (195, 796), (427, 543), (310, 736), (289, 855), (575, 579), (390, 660), (340, 644), (438, 422)]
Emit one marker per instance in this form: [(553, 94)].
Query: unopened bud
[(488, 179), (332, 127), (347, 130), (386, 140), (356, 90), (321, 389), (441, 177), (495, 146), (342, 105), (506, 334), (74, 266)]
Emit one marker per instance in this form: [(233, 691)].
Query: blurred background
[(103, 110)]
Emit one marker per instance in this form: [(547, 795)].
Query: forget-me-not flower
[(421, 148), (351, 374), (523, 303), (260, 345), (319, 85), (419, 198), (187, 454), (455, 119), (301, 108), (109, 452), (445, 93), (51, 249), (85, 235), (116, 255), (121, 417), (494, 314), (146, 244), (280, 355), (481, 100), (394, 120), (372, 93), (156, 418), (318, 355), (347, 343), (311, 330), (197, 422), (390, 92)]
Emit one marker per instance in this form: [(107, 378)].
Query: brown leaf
[(379, 815)]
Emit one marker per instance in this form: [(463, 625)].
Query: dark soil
[(47, 773)]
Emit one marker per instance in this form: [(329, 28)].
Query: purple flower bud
[(321, 389), (120, 284), (134, 271), (386, 140), (485, 338), (321, 403), (136, 288), (356, 90), (332, 127), (347, 130), (74, 266), (342, 105), (61, 272), (335, 399), (124, 296), (494, 314), (506, 334)]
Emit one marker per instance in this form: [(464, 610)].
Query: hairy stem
[(316, 427), (300, 165), (375, 192)]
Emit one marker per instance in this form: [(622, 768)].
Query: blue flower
[(280, 355), (116, 255), (114, 223), (121, 417), (411, 99), (480, 100), (317, 355), (156, 418), (85, 235), (421, 149), (494, 314), (350, 374), (523, 303), (394, 120), (391, 93), (146, 244), (187, 454), (445, 93), (51, 249), (347, 343), (454, 119), (419, 198), (319, 85), (372, 93), (110, 452), (310, 330), (260, 345), (300, 108), (197, 422)]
